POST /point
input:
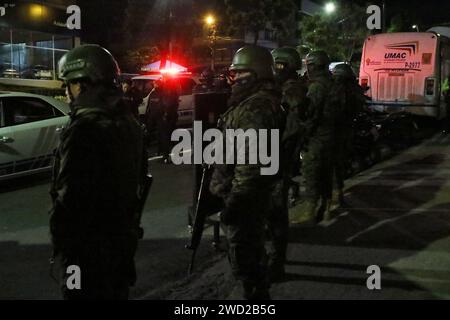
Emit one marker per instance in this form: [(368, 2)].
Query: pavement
[(398, 219), (161, 258)]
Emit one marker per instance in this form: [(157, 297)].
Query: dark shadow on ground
[(382, 215), (25, 182), (25, 270), (373, 201)]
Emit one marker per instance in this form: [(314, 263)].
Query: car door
[(35, 126), (186, 106), (7, 153)]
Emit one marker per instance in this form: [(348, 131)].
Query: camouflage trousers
[(317, 170), (246, 249), (341, 154)]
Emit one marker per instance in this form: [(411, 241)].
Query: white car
[(186, 82), (30, 126)]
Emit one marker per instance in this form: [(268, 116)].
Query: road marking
[(390, 222)]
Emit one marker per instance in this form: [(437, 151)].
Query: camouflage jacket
[(324, 101), (243, 183), (352, 102), (355, 101), (294, 102), (98, 169)]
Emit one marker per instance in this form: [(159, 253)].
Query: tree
[(256, 15), (398, 24), (167, 26), (137, 58), (340, 34)]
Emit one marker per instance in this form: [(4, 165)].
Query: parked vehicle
[(405, 72), (186, 82), (38, 72), (10, 73), (30, 126)]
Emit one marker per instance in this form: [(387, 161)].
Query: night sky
[(426, 13), (107, 28)]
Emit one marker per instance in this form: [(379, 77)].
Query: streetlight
[(37, 11), (210, 21), (330, 8), (416, 27)]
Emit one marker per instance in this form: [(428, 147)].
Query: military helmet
[(89, 62), (318, 58), (343, 70), (256, 59), (288, 56)]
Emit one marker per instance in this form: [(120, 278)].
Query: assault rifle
[(200, 214), (207, 108), (205, 206)]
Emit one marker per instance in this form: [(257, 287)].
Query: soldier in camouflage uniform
[(353, 104), (317, 166), (254, 104), (287, 62), (100, 165)]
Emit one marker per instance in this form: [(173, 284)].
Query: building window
[(30, 55)]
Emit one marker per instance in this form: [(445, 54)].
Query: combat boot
[(338, 200), (335, 200), (304, 214)]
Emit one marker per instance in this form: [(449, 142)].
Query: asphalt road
[(398, 219), (161, 257)]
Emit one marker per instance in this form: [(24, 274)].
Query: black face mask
[(282, 75), (243, 83), (242, 88)]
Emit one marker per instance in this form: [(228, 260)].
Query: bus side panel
[(400, 69)]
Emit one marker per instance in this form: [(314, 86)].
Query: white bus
[(406, 72)]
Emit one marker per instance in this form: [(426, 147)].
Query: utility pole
[(213, 49), (170, 36), (212, 31)]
